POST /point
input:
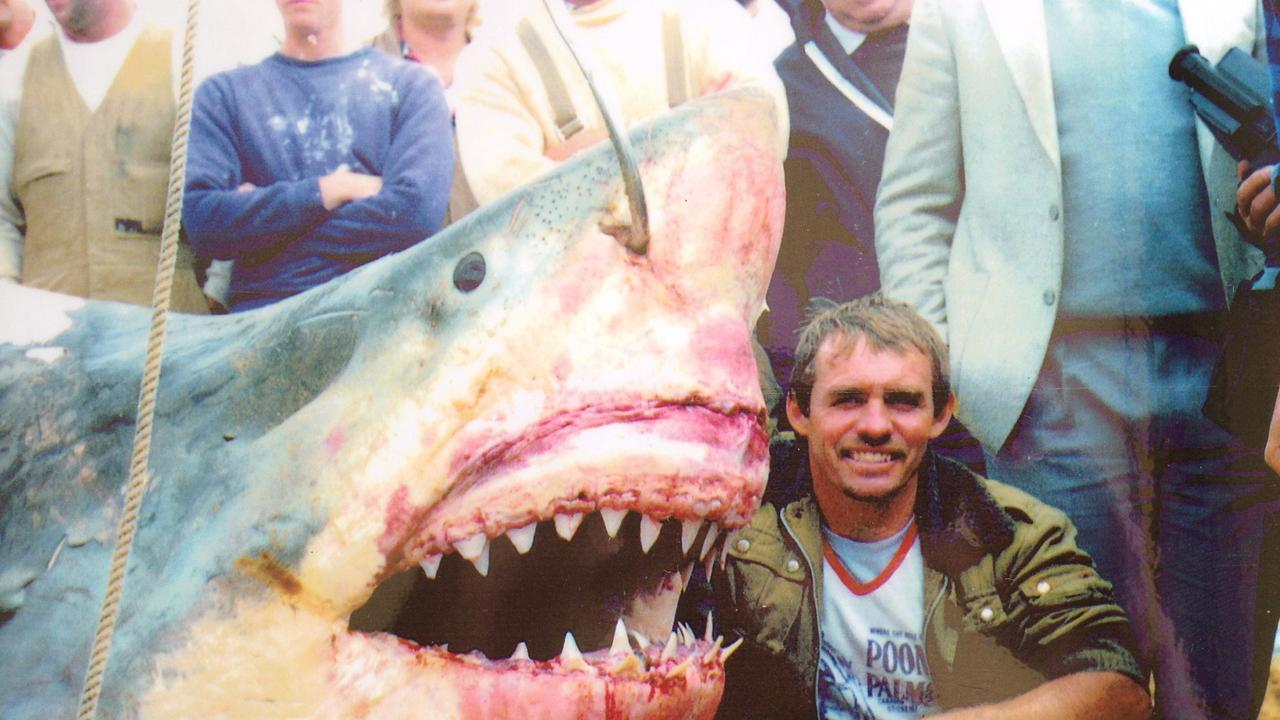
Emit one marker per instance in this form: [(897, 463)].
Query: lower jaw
[(390, 678)]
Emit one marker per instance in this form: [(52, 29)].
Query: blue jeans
[(1178, 514)]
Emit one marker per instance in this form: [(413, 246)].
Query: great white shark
[(537, 428)]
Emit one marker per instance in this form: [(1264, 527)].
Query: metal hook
[(638, 232)]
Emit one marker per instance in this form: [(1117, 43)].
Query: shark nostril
[(469, 272)]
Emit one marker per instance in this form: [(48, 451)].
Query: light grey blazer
[(968, 218)]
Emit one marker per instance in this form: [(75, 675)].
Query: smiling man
[(905, 585)]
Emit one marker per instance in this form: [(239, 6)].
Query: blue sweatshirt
[(282, 124)]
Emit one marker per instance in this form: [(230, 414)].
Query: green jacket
[(1010, 600)]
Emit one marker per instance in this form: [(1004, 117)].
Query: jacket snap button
[(1053, 212), (1043, 587), (793, 565), (987, 614), (743, 545), (1050, 297)]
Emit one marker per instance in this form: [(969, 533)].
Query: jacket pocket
[(138, 207), (26, 173)]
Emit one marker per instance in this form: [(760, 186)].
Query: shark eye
[(469, 273)]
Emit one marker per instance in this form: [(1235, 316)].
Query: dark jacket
[(832, 172), (1010, 600)]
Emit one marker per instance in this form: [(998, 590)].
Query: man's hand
[(342, 186), (1078, 696), (1256, 200), (1272, 450)]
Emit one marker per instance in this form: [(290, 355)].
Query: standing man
[(524, 106), (840, 76), (90, 114), (1051, 205), (902, 584), (314, 161)]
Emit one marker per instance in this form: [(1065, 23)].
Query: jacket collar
[(958, 519), (808, 20)]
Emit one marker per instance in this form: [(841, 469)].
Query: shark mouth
[(580, 600)]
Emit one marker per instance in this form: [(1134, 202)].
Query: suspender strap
[(566, 119), (673, 48)]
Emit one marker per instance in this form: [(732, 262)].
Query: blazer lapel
[(1019, 28)]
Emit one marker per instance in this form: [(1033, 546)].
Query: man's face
[(309, 16), (6, 14), (869, 15), (870, 419), (433, 8), (77, 16)]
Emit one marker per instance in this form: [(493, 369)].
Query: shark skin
[(523, 367)]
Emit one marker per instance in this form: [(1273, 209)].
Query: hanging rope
[(138, 475)]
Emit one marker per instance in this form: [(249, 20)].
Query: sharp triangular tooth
[(567, 525), (724, 654), (630, 665), (711, 654), (649, 529), (669, 650), (729, 540), (522, 538), (641, 641), (431, 564), (709, 541), (680, 669), (472, 547), (482, 561), (521, 653), (708, 634), (620, 644), (612, 520), (686, 632), (711, 563), (685, 574), (570, 655), (688, 533)]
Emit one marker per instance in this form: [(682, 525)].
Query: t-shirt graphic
[(872, 664)]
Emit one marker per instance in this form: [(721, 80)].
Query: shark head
[(465, 481)]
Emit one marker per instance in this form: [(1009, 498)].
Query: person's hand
[(570, 147), (342, 186), (1256, 201), (1272, 450)]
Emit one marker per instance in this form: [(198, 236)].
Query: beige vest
[(92, 185)]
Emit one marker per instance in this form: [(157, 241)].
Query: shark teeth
[(475, 549), (620, 644), (709, 541), (669, 650), (522, 537), (649, 529), (571, 656), (521, 652), (567, 524), (688, 533), (431, 565), (612, 520)]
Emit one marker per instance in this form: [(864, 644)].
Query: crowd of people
[(1008, 253)]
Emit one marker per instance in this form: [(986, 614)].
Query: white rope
[(160, 298)]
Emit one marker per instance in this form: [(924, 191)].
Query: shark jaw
[(574, 598)]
